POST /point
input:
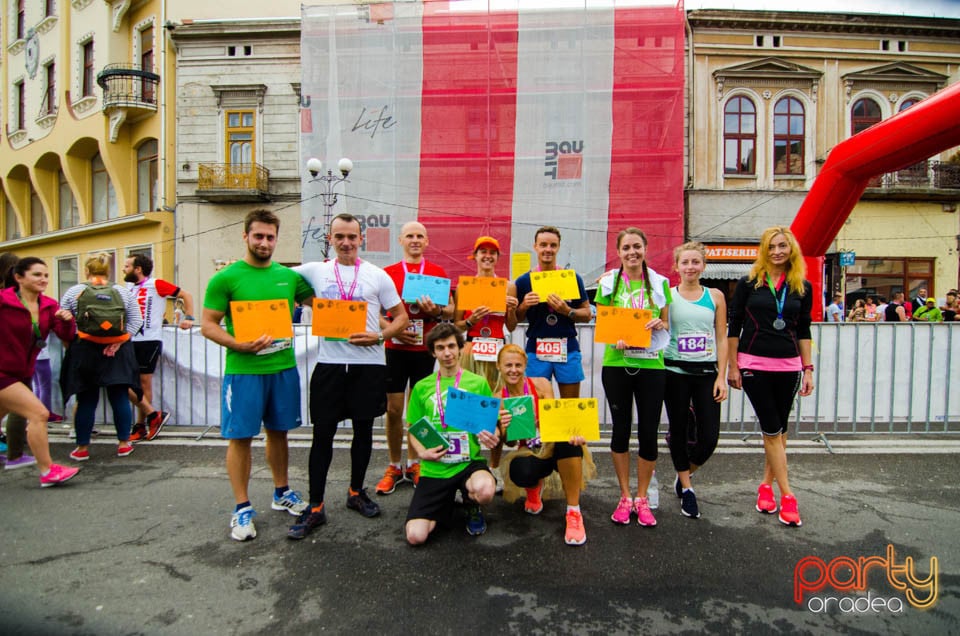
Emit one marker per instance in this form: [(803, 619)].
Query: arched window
[(739, 136), (69, 215), (38, 220), (104, 197), (788, 135), (907, 103), (147, 175), (11, 227), (865, 113), (915, 175)]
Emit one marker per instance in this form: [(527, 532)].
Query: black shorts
[(407, 367), (148, 354), (347, 391), (433, 497)]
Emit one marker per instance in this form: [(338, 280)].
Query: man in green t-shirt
[(461, 466), (261, 383)]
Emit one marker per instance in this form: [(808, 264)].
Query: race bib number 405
[(552, 349), (486, 349)]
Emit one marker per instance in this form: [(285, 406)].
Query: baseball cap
[(485, 241)]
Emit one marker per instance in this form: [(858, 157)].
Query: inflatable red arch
[(912, 135)]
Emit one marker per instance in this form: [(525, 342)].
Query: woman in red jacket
[(28, 318)]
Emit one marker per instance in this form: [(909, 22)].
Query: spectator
[(870, 310), (835, 309), (858, 313), (929, 312), (894, 311), (949, 310)]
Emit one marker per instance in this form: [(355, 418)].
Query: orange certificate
[(338, 318), (474, 291), (254, 318), (562, 419), (623, 323), (562, 282)]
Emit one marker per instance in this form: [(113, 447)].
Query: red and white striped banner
[(497, 118)]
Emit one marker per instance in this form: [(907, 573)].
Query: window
[(240, 138), (147, 87), (49, 105), (21, 19), (104, 197), (49, 8), (147, 175), (68, 274), (38, 220), (21, 114), (69, 214), (865, 113), (86, 90), (886, 276), (788, 134), (739, 136), (11, 227)]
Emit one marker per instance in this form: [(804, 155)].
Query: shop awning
[(726, 271)]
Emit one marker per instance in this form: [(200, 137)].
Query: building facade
[(771, 93), (88, 142)]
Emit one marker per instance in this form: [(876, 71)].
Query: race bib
[(552, 349), (486, 349), (275, 346), (459, 450), (695, 345), (642, 353), (415, 328)]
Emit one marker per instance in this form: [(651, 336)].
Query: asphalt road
[(139, 545)]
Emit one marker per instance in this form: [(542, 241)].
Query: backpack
[(101, 312)]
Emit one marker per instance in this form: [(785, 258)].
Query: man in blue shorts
[(261, 382), (552, 346)]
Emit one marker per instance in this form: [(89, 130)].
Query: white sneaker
[(241, 524)]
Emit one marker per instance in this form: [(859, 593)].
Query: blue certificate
[(471, 412), (435, 288)]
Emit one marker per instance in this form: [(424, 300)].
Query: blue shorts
[(569, 372), (248, 400)]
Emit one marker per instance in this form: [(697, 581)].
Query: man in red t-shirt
[(408, 360)]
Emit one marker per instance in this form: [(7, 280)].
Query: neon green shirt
[(613, 357)]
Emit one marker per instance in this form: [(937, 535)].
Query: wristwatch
[(380, 338)]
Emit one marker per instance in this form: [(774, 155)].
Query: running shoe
[(644, 516), (476, 524), (575, 534), (3, 447), (766, 502), (20, 462), (688, 504), (57, 475), (139, 432), (360, 502), (124, 449), (789, 515), (534, 504), (412, 474), (291, 501), (78, 455), (241, 524), (308, 520), (55, 418), (678, 487), (155, 422), (391, 478), (622, 514)]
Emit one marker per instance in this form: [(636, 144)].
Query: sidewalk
[(140, 545)]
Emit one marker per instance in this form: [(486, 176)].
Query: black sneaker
[(678, 487), (306, 522), (476, 524), (362, 504), (688, 504)]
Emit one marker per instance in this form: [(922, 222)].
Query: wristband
[(808, 367), (188, 317)]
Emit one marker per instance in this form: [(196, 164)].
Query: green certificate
[(523, 421)]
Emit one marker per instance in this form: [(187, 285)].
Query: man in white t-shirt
[(152, 295), (835, 309), (349, 381)]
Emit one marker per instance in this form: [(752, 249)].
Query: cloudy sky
[(937, 8)]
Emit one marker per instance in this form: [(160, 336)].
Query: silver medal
[(485, 332), (779, 324), (414, 308), (552, 319)]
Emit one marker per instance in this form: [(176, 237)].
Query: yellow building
[(89, 140), (772, 92)]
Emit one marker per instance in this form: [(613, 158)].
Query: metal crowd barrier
[(870, 378)]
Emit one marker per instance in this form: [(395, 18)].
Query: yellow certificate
[(254, 318), (562, 419), (475, 291), (338, 318), (562, 282), (623, 323)]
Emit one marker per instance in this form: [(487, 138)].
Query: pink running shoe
[(644, 516), (57, 475), (534, 504), (789, 515), (765, 500), (622, 514)]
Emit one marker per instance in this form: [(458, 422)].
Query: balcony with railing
[(927, 180), (128, 86), (233, 182)]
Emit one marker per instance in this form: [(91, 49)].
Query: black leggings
[(771, 393), (682, 390), (624, 386), (321, 454), (527, 471)]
